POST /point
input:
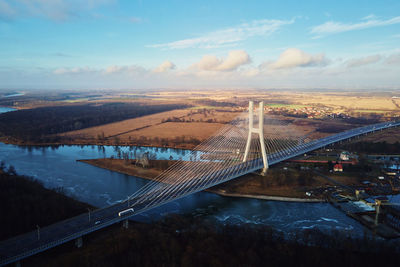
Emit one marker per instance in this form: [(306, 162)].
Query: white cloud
[(165, 66), (229, 36), (234, 60), (393, 59), (251, 72), (110, 70), (293, 57), (117, 69), (234, 70), (332, 27), (369, 17), (114, 69), (208, 62), (357, 62), (76, 70)]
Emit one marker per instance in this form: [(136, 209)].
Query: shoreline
[(149, 174), (12, 141), (271, 198)]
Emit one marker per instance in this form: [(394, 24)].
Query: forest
[(372, 147), (37, 125), (25, 203), (180, 240), (213, 103)]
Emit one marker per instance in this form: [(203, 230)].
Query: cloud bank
[(393, 59), (165, 66), (76, 70), (357, 62), (293, 68), (234, 60), (229, 36), (332, 27), (294, 57)]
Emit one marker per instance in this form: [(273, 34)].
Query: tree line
[(25, 203), (39, 124), (371, 147), (163, 142), (192, 241)]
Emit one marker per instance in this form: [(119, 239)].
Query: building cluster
[(344, 157), (306, 112)]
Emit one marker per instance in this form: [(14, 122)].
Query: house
[(338, 168), (344, 155)]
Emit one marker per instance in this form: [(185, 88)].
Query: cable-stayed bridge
[(237, 149)]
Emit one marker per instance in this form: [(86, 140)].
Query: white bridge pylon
[(259, 131)]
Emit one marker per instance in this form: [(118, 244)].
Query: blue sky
[(111, 44)]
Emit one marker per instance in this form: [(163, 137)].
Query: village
[(368, 197)]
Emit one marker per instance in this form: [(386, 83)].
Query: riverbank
[(9, 140), (231, 189), (272, 198)]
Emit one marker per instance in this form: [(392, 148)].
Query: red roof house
[(338, 167)]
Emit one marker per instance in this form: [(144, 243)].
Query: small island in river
[(269, 187)]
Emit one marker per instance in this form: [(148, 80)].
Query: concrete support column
[(248, 143), (125, 224), (259, 131), (261, 136), (79, 242)]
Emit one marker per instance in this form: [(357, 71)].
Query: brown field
[(198, 130), (152, 126), (337, 100), (116, 128), (119, 165), (343, 101), (203, 119)]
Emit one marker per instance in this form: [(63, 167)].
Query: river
[(13, 95), (57, 167), (6, 109)]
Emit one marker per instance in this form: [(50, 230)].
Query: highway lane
[(53, 235)]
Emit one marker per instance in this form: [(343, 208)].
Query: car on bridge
[(125, 212)]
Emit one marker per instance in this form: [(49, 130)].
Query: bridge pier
[(125, 224), (79, 242), (259, 131)]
